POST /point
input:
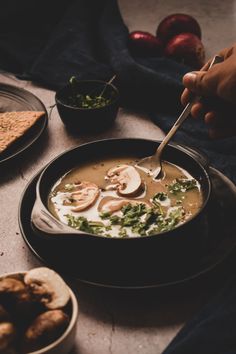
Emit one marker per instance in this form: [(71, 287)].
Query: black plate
[(221, 238), (17, 99)]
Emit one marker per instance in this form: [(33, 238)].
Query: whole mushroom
[(48, 287), (14, 288), (17, 300), (46, 328), (7, 336), (4, 315)]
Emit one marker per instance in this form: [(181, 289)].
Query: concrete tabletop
[(113, 321)]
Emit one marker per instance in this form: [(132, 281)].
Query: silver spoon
[(153, 164)]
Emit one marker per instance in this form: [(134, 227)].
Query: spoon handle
[(185, 113), (107, 83)]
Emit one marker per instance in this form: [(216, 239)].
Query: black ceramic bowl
[(123, 258), (87, 119)]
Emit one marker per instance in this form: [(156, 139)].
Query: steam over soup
[(114, 198)]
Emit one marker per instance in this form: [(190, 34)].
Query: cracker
[(14, 125)]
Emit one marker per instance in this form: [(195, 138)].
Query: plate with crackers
[(23, 119)]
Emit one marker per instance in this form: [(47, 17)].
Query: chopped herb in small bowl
[(89, 100), (87, 105)]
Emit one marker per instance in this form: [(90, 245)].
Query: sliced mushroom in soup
[(114, 198)]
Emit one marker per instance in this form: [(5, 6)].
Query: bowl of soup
[(115, 217)]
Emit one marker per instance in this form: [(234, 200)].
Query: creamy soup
[(114, 198)]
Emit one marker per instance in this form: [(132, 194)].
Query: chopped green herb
[(132, 217), (122, 232), (91, 99), (157, 206), (125, 209), (151, 216), (182, 185), (167, 223), (171, 221), (115, 220), (98, 231), (140, 228), (153, 231), (132, 214), (177, 213), (141, 219), (129, 221), (79, 223), (86, 101), (132, 211), (96, 224), (105, 215), (160, 196)]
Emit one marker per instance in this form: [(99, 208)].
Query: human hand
[(220, 83)]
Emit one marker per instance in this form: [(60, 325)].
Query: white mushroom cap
[(127, 178), (48, 286), (84, 195), (112, 205)]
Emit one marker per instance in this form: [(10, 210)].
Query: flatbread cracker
[(15, 124)]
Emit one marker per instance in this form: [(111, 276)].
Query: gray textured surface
[(112, 321)]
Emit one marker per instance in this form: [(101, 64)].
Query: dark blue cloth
[(52, 41), (213, 330)]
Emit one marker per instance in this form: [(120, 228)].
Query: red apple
[(186, 48), (174, 24), (145, 44)]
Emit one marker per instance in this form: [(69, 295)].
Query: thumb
[(197, 82)]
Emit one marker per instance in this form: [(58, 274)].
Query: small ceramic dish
[(88, 105), (64, 343)]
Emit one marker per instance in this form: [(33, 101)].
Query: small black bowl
[(87, 119)]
